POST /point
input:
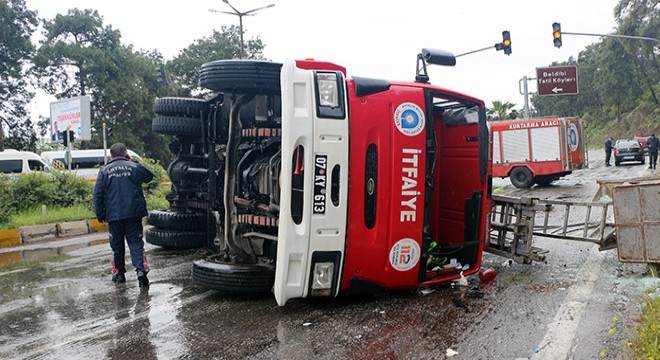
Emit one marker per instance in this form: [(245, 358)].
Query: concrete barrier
[(37, 232), (10, 237), (72, 228)]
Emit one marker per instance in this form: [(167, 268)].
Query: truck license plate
[(320, 183)]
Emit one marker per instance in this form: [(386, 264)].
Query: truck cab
[(357, 184)]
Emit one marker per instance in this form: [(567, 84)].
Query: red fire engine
[(538, 151), (319, 185)]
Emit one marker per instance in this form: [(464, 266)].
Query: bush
[(159, 172), (156, 189), (61, 189)]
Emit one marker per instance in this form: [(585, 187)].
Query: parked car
[(21, 162), (642, 139), (628, 150)]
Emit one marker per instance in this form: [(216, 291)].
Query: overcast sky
[(379, 39)]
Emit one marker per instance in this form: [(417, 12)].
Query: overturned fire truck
[(307, 183)]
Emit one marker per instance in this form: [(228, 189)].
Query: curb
[(38, 233)]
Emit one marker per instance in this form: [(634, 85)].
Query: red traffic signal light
[(556, 34), (506, 42)]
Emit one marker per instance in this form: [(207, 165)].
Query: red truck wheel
[(521, 177)]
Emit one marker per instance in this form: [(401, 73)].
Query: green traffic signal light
[(556, 34), (506, 42)]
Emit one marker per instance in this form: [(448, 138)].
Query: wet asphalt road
[(579, 304)]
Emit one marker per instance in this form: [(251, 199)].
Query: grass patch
[(155, 200), (54, 215), (647, 345)]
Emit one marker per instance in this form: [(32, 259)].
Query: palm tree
[(501, 111)]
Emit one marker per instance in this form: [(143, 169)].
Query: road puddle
[(39, 254)]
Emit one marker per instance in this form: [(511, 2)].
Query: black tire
[(543, 181), (521, 177), (616, 163), (173, 220), (211, 273), (181, 126), (181, 107), (175, 240), (241, 76), (643, 161)]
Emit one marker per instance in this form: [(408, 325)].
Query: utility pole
[(525, 92), (240, 19)]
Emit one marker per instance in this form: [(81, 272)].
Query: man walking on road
[(608, 151), (653, 144), (119, 200)]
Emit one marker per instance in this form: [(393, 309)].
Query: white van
[(21, 162), (85, 163)]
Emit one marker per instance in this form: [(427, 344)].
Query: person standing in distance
[(653, 144), (119, 200), (608, 151)]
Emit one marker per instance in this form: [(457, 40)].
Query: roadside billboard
[(73, 114)]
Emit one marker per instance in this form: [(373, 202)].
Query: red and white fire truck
[(318, 184), (538, 151)]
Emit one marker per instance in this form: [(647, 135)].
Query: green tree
[(82, 56), (17, 24), (641, 18), (502, 111), (75, 47), (223, 44)]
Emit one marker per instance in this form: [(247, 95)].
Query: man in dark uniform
[(119, 200), (653, 143), (608, 151)]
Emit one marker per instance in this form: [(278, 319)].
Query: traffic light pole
[(105, 146), (613, 36), (69, 148), (476, 51)]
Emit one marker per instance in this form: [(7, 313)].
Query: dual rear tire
[(176, 230)]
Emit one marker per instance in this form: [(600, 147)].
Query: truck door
[(576, 143)]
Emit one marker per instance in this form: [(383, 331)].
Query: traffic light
[(556, 34), (162, 76), (506, 42), (108, 132), (68, 137)]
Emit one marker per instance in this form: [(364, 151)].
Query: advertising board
[(72, 114)]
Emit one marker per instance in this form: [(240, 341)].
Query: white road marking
[(558, 340)]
